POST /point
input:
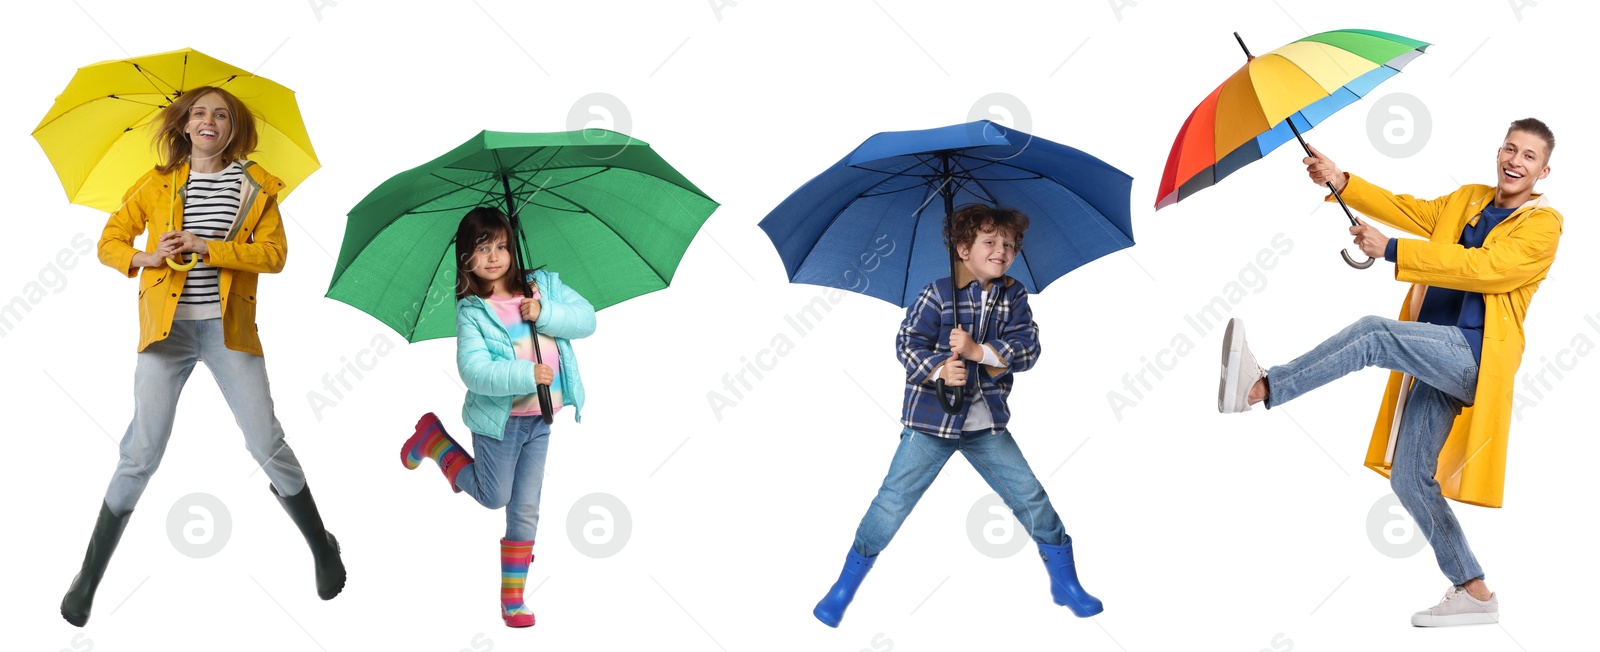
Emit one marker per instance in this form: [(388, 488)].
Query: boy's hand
[(954, 372), (530, 309), (185, 241), (962, 345), (1323, 171), (543, 374)]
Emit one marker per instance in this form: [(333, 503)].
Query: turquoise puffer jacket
[(489, 367)]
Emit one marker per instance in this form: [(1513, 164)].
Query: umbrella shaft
[(1307, 148)]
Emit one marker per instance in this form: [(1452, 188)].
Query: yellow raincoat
[(1506, 270), (255, 245)]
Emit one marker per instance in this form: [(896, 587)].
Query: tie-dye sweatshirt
[(508, 310)]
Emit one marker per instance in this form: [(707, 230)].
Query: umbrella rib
[(124, 99), (984, 193), (569, 182), (892, 192), (459, 186), (512, 172), (1030, 173), (635, 250), (153, 78), (890, 176), (445, 253)]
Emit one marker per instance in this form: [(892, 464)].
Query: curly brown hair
[(173, 144), (962, 226)]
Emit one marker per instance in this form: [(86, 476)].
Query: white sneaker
[(1239, 370), (1459, 608)]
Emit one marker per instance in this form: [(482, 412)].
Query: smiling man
[(1442, 428)]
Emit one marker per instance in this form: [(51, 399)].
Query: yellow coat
[(255, 246), (1506, 270)]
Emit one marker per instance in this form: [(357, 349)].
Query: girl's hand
[(530, 309), (543, 374), (185, 241), (962, 345)]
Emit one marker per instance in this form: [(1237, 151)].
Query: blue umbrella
[(872, 223)]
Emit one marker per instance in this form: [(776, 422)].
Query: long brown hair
[(480, 225), (173, 145)]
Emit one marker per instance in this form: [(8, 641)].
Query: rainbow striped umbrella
[(1274, 98)]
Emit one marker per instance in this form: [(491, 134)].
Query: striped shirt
[(210, 206)]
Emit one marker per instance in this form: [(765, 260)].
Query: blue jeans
[(509, 473), (917, 462), (1446, 380), (158, 378)]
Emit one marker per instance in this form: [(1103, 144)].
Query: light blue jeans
[(158, 378), (509, 473), (1446, 380), (917, 462)]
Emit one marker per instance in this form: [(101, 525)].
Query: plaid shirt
[(924, 343)]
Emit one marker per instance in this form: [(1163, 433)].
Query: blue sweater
[(1464, 310)]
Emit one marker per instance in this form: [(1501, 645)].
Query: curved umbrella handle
[(194, 259), (951, 406), (1354, 263), (546, 410)]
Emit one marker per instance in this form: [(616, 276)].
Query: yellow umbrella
[(98, 134)]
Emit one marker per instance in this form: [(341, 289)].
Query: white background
[(1240, 532)]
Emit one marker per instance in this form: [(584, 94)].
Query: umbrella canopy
[(872, 222), (601, 208), (98, 133), (1273, 96)]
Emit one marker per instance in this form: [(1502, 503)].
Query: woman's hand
[(530, 309), (165, 248), (543, 374), (185, 241)]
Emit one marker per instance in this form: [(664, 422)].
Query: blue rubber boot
[(830, 609), (1064, 586)]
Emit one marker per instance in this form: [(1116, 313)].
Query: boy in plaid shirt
[(996, 338)]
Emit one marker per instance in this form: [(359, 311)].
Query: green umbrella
[(602, 209)]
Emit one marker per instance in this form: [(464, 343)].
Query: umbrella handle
[(951, 406), (1354, 263), (545, 409), (194, 258)]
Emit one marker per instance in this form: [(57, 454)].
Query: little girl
[(494, 353)]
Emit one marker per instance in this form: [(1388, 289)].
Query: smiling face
[(1524, 158), (209, 130), (490, 260), (989, 255)]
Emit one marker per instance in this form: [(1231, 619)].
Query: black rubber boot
[(79, 600), (324, 548)]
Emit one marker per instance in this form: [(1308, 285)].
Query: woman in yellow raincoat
[(206, 201), (1446, 414)]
